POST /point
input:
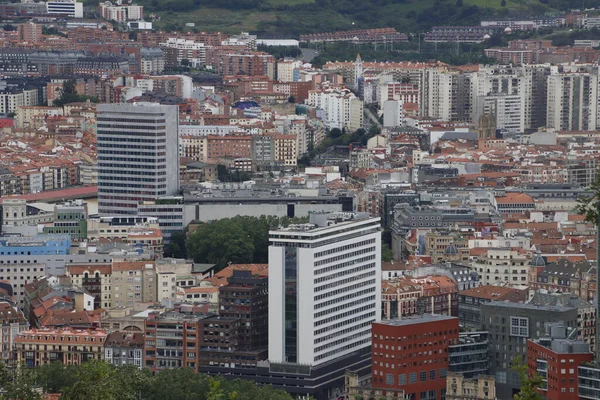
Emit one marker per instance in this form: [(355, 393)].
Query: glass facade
[(291, 304)]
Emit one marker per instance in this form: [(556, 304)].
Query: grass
[(217, 19)]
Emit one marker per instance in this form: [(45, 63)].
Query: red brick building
[(557, 360), (412, 354)]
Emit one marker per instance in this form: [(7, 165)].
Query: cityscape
[(279, 208)]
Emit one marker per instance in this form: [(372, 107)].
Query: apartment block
[(37, 347), (133, 282), (124, 348)]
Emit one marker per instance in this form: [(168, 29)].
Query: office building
[(470, 301), (137, 155), (65, 8), (324, 288), (510, 325), (469, 357), (411, 354), (556, 358)]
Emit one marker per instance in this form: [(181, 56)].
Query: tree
[(291, 99), (459, 3), (503, 3), (56, 376), (68, 94), (335, 133), (178, 384), (386, 253), (529, 384), (240, 239), (176, 247), (18, 383)]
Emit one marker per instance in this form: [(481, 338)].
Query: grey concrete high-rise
[(138, 157)]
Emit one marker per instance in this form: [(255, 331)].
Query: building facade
[(137, 155), (324, 287)]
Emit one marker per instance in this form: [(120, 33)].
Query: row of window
[(350, 279), (343, 248), (342, 332), (343, 340), (346, 322), (346, 289), (342, 349), (344, 306), (344, 298), (344, 314), (344, 264)]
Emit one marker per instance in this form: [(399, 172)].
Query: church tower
[(358, 71)]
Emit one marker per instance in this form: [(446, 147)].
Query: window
[(422, 376), (519, 326), (443, 372), (389, 379), (412, 377), (402, 379), (432, 374)]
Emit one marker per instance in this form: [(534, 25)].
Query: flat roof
[(417, 319)]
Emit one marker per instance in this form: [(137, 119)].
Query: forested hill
[(279, 18)]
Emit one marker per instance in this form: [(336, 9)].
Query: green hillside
[(292, 17)]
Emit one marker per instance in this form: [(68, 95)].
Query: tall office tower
[(138, 157), (324, 288)]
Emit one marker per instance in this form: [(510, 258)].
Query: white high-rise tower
[(324, 288)]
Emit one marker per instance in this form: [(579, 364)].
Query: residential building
[(121, 13), (340, 108), (503, 266), (572, 101), (133, 282), (137, 155), (37, 347), (124, 348), (94, 278), (556, 359), (336, 291), (246, 297), (399, 359), (459, 387), (13, 323)]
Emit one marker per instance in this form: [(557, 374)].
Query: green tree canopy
[(234, 240)]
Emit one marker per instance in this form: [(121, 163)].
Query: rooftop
[(417, 319)]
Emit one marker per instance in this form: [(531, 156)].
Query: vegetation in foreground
[(98, 380)]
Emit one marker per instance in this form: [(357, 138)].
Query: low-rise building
[(124, 348), (37, 347)]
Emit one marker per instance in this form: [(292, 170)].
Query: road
[(370, 119), (308, 54)]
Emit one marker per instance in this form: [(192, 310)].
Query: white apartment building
[(138, 155), (285, 70), (572, 101), (393, 113), (324, 287), (340, 108), (446, 95), (10, 101), (121, 13), (194, 52), (502, 266), (505, 92)]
